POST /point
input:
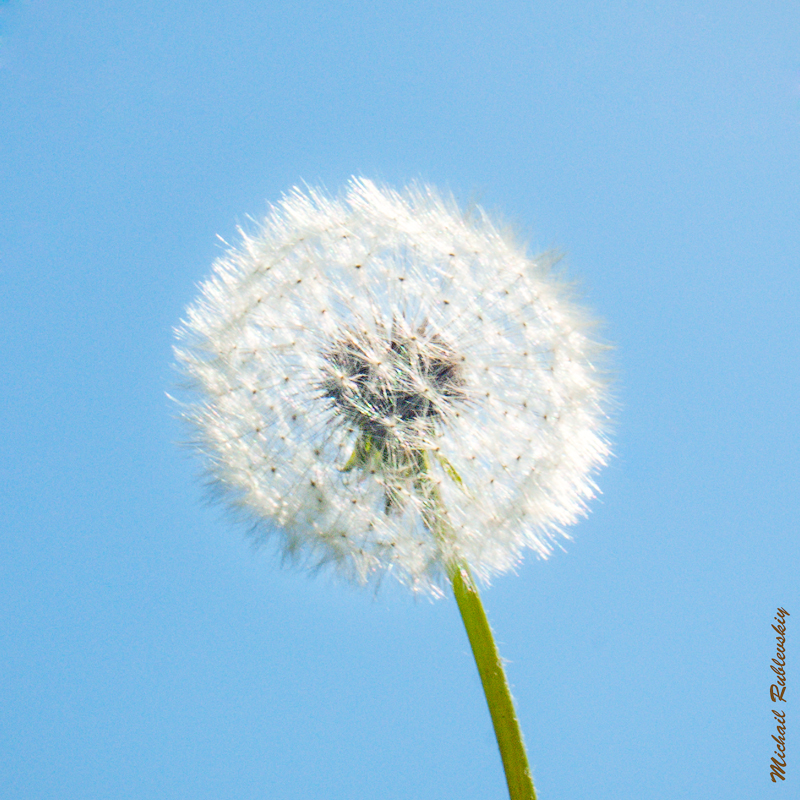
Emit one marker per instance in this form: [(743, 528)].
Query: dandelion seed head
[(360, 362)]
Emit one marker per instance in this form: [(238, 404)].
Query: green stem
[(487, 659), (495, 685)]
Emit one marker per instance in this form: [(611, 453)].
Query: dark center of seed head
[(380, 382)]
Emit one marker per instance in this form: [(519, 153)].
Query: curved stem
[(487, 659), (495, 685)]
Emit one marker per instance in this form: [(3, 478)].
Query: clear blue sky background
[(147, 650)]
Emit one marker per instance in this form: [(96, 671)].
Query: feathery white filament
[(352, 345)]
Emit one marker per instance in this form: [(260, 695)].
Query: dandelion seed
[(363, 364)]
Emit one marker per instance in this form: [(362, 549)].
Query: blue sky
[(148, 650)]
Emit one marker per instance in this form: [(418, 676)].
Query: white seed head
[(388, 385)]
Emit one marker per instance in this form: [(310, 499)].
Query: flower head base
[(395, 386), (388, 385)]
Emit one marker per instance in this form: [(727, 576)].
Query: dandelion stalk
[(481, 640), (495, 685)]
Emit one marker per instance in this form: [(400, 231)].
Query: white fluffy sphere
[(364, 365)]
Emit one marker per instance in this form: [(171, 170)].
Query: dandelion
[(389, 386)]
